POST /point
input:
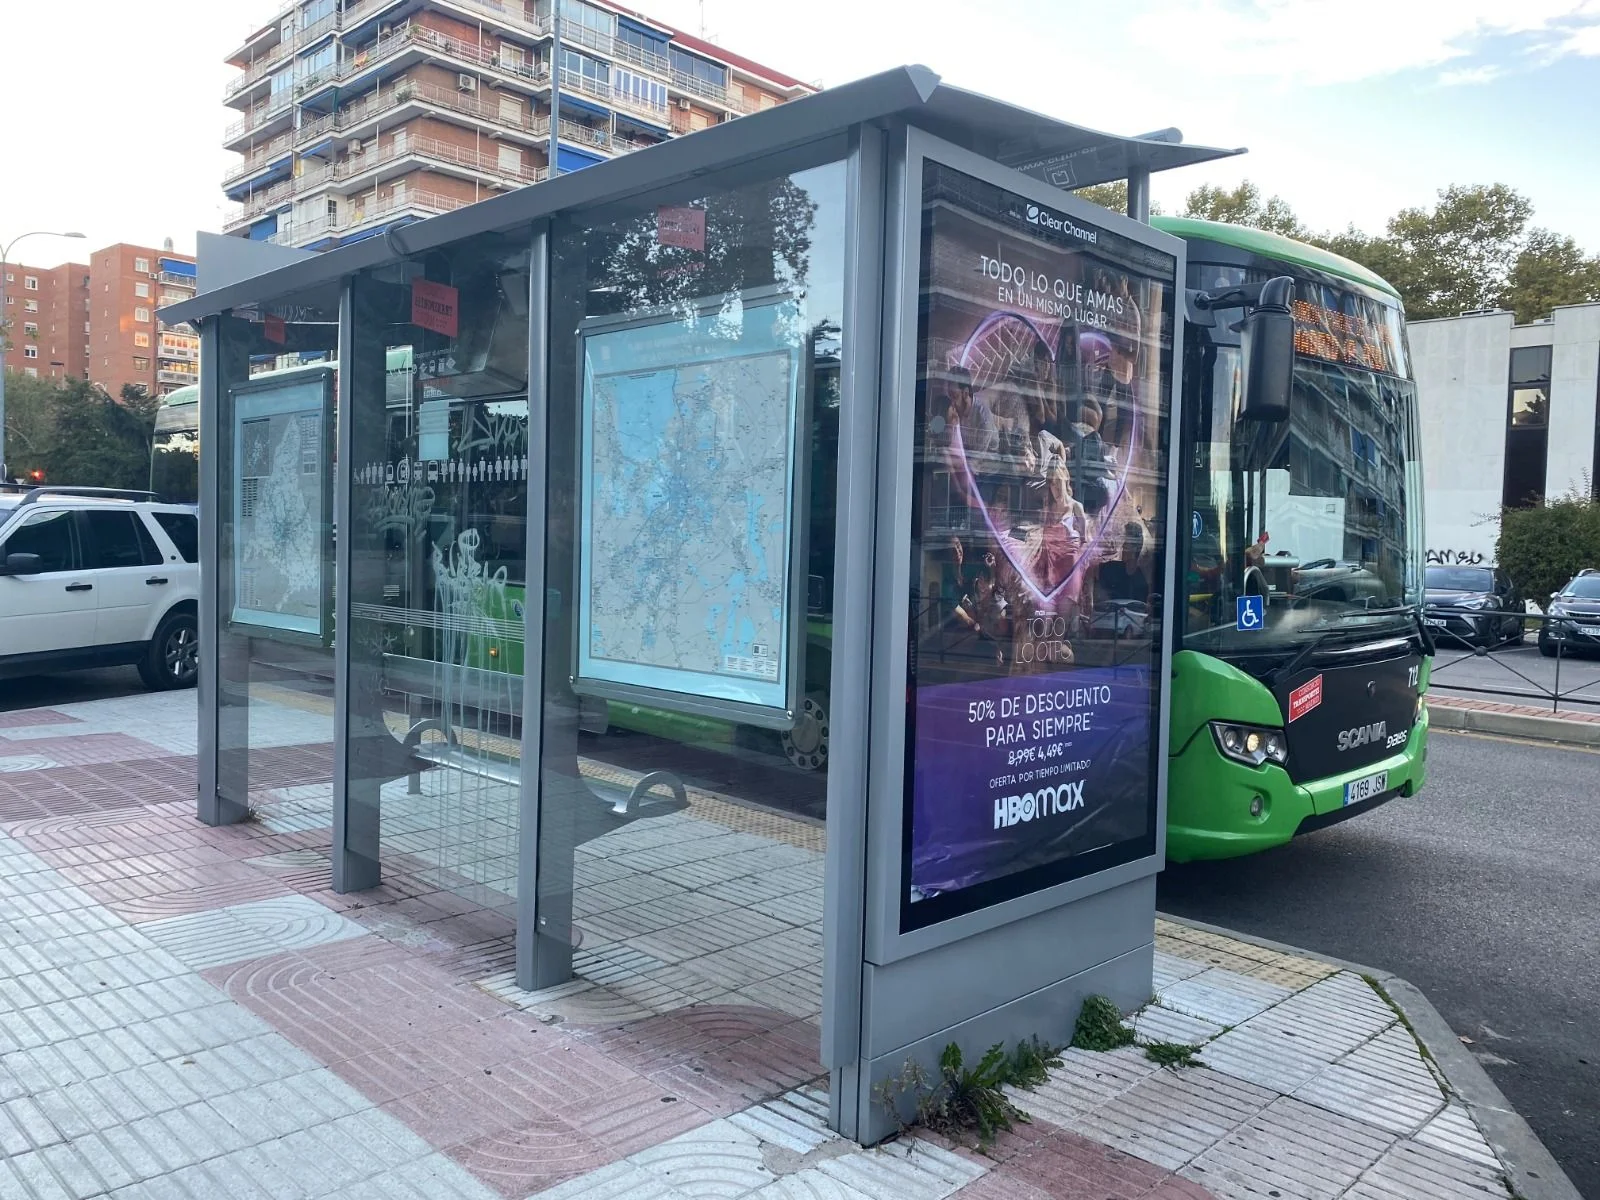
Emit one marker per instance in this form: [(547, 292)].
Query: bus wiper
[(1323, 638)]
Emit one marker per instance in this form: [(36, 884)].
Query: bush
[(1541, 548)]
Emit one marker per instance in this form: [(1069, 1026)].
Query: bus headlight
[(1250, 744)]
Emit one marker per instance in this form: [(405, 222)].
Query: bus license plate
[(1358, 790)]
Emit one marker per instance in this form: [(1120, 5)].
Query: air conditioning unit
[(683, 103), (466, 83), (355, 146)]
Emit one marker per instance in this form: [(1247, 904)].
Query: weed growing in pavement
[(965, 1100), (1100, 1026), (1172, 1054), (1031, 1062)]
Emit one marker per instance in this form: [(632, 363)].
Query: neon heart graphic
[(975, 356)]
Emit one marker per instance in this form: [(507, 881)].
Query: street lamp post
[(5, 323)]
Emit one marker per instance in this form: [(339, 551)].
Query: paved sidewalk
[(191, 1012), (1571, 726)]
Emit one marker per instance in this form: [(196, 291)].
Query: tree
[(1243, 206), (1457, 257), (1113, 195), (75, 433), (1551, 270)]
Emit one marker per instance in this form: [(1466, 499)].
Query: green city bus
[(1302, 703)]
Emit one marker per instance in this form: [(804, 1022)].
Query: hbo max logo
[(1046, 802)]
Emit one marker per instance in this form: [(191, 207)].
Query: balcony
[(258, 117), (702, 88), (172, 277), (437, 153), (258, 159), (243, 214), (180, 353), (581, 134), (572, 81), (425, 204), (657, 64), (391, 45), (408, 92), (178, 377)]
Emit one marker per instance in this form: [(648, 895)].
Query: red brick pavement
[(1521, 710), (1042, 1162), (33, 718), (521, 1104)]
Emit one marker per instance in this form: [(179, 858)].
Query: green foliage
[(1112, 195), (1473, 249), (1550, 271), (1544, 546), (1031, 1062), (76, 434), (1243, 205), (969, 1100), (1171, 1054), (1100, 1026)]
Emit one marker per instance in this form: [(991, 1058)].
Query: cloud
[(1350, 41), (1468, 76)]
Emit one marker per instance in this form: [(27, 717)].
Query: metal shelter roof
[(1056, 151)]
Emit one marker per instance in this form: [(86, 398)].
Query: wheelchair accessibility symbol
[(1252, 615)]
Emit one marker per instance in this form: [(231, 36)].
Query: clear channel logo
[(1049, 220)]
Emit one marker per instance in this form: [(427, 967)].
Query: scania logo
[(1363, 735)]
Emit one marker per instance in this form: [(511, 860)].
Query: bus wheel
[(806, 745)]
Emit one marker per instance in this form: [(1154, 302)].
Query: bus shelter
[(683, 570)]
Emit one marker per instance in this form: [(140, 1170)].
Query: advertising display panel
[(1044, 367), (692, 507), (283, 504)]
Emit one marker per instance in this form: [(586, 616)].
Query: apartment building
[(47, 320), (97, 320), (361, 115)]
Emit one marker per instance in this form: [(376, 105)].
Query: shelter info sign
[(1038, 534)]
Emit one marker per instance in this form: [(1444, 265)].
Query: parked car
[(1574, 617), (1477, 606), (94, 578)]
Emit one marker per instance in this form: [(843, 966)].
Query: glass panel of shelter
[(692, 445), (274, 642), (438, 479)]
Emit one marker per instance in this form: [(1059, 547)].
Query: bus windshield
[(1319, 514), (175, 447)]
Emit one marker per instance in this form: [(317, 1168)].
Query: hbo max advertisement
[(1038, 537)]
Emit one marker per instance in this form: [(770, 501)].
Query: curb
[(1533, 1173), (1543, 729)]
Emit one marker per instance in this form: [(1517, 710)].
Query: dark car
[(1477, 606), (1575, 617)]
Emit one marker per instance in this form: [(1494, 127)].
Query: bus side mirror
[(1267, 344)]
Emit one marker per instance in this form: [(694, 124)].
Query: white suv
[(95, 578)]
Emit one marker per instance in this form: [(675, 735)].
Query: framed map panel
[(692, 506), (283, 505)]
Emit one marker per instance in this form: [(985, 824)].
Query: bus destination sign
[(1348, 338)]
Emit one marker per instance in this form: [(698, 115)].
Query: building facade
[(361, 115), (46, 320), (97, 320), (1510, 415)]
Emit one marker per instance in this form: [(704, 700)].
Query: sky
[(1351, 109)]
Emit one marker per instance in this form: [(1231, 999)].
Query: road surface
[(1484, 891)]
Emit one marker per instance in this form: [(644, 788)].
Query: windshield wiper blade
[(1322, 639)]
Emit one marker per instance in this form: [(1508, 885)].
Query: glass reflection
[(681, 834)]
